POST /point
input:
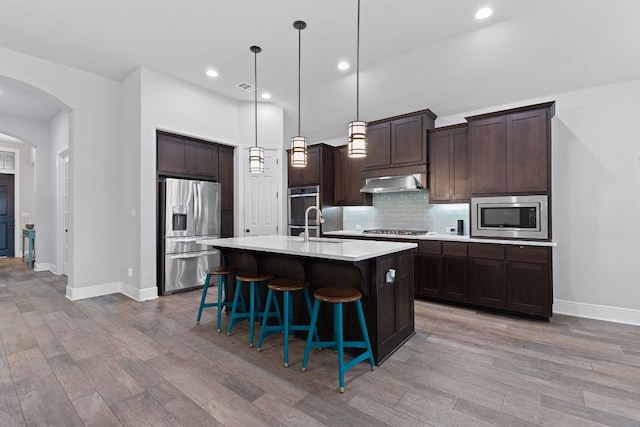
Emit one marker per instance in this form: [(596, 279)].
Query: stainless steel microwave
[(512, 217)]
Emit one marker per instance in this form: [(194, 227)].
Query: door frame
[(17, 230), (60, 213)]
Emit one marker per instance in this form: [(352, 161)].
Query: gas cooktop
[(397, 232)]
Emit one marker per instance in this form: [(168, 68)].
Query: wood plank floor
[(111, 361)]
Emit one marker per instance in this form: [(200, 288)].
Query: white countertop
[(336, 249), (441, 237)]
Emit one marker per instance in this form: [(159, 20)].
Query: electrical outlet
[(130, 272), (451, 229), (358, 226)]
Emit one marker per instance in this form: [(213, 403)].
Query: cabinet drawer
[(528, 254), (487, 251), (432, 248), (454, 249)]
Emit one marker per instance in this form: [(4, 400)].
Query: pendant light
[(256, 154), (357, 144), (299, 143)]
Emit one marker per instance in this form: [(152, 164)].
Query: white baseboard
[(44, 266), (126, 289), (598, 312), (139, 294), (75, 294)]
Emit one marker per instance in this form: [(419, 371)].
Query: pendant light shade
[(357, 142), (357, 145), (299, 151), (256, 154), (299, 143), (256, 160)]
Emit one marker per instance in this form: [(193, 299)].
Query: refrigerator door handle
[(192, 255)]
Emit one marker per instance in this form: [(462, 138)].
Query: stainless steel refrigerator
[(189, 210)]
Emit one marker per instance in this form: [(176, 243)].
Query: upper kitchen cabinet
[(398, 142), (348, 180), (510, 151), (319, 171), (186, 157), (307, 175), (189, 158), (448, 149)]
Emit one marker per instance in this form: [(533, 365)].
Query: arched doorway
[(41, 124)]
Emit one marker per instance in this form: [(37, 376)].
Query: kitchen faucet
[(306, 220)]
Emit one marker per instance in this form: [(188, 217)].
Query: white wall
[(595, 198), (94, 138), (128, 212), (172, 105)]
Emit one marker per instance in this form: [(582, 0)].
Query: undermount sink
[(319, 240)]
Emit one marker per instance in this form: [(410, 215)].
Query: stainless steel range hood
[(390, 184)]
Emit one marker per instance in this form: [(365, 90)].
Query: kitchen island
[(382, 271)]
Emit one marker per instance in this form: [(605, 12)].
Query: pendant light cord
[(358, 67), (255, 92), (299, 68)]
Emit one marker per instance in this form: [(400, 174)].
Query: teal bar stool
[(254, 313), (337, 297), (222, 272), (286, 286)]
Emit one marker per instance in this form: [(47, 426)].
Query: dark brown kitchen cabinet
[(189, 158), (454, 270), (515, 278), (319, 171), (378, 145), (487, 274), (429, 268), (348, 180), (172, 155), (395, 300), (448, 164), (398, 141), (307, 175), (225, 177), (202, 159), (186, 157), (510, 151), (529, 280)]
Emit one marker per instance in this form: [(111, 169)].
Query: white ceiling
[(415, 54)]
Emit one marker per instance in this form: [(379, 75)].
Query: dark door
[(7, 218)]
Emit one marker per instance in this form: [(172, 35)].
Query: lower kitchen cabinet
[(395, 300), (508, 277), (487, 273), (454, 270), (529, 280), (429, 281), (429, 269), (455, 278)]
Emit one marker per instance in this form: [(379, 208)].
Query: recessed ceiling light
[(211, 72), (484, 13), (265, 95), (343, 66)]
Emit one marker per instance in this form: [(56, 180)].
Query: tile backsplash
[(408, 210)]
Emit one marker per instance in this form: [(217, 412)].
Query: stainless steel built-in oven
[(514, 217), (299, 199)]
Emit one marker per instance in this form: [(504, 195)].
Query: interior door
[(7, 216), (261, 196)]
